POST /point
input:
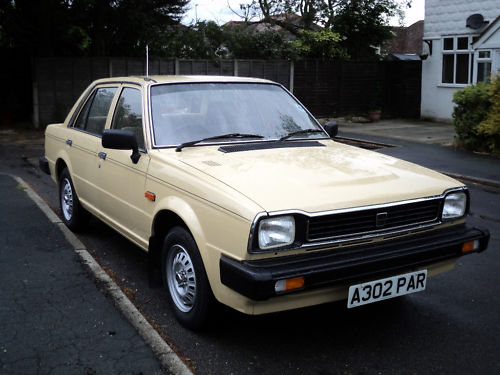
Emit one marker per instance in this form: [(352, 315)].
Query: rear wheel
[(73, 214), (185, 279)]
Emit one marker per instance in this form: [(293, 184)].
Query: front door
[(122, 183)]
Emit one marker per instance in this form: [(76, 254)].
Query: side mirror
[(332, 128), (117, 139)]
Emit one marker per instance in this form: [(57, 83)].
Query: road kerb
[(476, 180), (167, 357)]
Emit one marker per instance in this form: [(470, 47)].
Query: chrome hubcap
[(67, 200), (181, 278)]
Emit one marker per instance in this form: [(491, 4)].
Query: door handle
[(69, 142), (102, 155)]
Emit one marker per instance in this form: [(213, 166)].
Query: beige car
[(240, 196)]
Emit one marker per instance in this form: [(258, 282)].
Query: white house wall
[(436, 101), (447, 18), (493, 42)]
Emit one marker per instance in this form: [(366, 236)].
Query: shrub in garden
[(491, 126), (472, 105)]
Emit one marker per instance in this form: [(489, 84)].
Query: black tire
[(73, 214), (185, 279)]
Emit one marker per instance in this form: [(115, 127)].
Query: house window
[(483, 66), (457, 60)]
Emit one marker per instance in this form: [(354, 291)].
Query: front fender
[(184, 211)]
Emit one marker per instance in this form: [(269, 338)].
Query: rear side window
[(128, 114), (92, 117)]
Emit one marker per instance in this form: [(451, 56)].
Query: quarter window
[(457, 60), (483, 66), (93, 116), (128, 114)]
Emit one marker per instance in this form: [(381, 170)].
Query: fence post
[(235, 64), (292, 75), (36, 106), (176, 67), (110, 67)]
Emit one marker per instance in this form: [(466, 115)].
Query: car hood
[(314, 179)]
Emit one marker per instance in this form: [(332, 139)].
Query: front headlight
[(276, 232), (454, 206)]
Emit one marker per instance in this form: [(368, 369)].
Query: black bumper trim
[(43, 163), (256, 279)]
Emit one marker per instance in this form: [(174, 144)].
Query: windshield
[(187, 112)]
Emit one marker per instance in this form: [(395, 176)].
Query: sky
[(220, 12)]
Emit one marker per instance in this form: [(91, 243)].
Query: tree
[(244, 44), (362, 24), (123, 28), (490, 127), (323, 44), (85, 27)]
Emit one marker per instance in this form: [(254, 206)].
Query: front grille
[(373, 220)]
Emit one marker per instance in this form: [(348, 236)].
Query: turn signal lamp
[(289, 284), (470, 246)]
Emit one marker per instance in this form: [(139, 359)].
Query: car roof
[(158, 79)]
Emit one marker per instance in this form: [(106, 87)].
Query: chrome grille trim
[(362, 222)]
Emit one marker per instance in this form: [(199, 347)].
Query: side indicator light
[(150, 196), (289, 284), (469, 246)]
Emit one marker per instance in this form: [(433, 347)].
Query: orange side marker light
[(150, 196)]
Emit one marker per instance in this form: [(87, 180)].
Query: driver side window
[(128, 114)]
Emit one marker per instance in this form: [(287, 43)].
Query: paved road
[(54, 318), (451, 328)]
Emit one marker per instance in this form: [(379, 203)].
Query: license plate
[(390, 287)]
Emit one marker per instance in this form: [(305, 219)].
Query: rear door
[(85, 138)]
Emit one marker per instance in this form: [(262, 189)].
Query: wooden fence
[(338, 88), (326, 88)]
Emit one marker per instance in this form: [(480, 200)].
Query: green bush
[(472, 106), (491, 126)]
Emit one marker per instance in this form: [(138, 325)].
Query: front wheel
[(185, 279), (73, 214)]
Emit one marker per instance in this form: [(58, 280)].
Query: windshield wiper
[(299, 132), (230, 135)]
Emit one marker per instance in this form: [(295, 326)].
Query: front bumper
[(256, 279)]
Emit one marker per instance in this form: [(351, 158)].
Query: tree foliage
[(362, 24), (85, 27), (206, 40), (472, 106), (308, 29), (323, 44), (490, 127)]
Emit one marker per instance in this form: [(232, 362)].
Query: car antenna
[(147, 60), (147, 66)]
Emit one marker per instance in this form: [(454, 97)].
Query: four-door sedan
[(240, 196)]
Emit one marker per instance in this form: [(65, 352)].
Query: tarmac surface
[(55, 319), (421, 142), (59, 319)]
